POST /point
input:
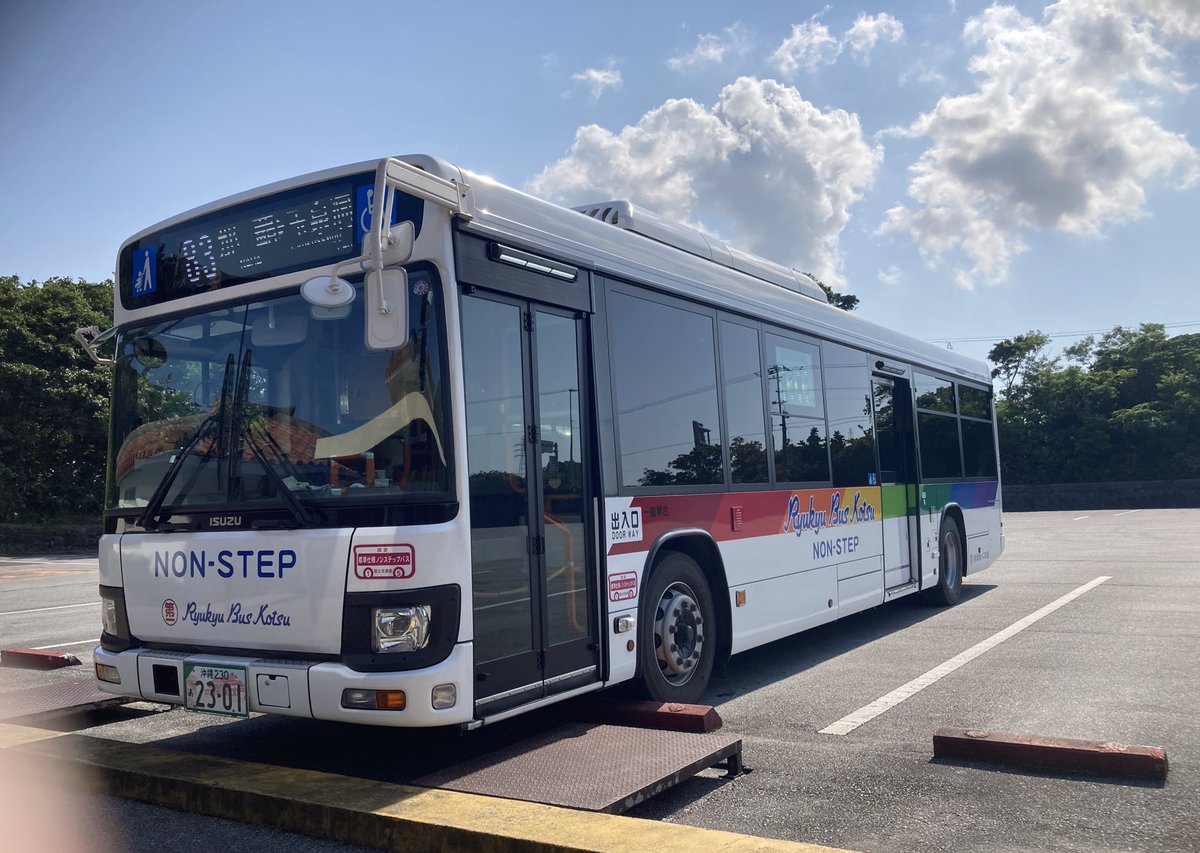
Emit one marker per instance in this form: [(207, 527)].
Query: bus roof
[(502, 212)]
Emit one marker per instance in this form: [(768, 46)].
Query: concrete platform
[(359, 811)]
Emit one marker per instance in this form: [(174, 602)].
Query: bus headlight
[(108, 616), (400, 629), (114, 620)]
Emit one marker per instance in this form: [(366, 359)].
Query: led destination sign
[(294, 230)]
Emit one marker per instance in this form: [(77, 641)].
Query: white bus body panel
[(307, 689), (250, 589)]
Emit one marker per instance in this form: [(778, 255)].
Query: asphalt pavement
[(1114, 663)]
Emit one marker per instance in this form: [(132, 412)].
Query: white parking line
[(44, 609), (867, 713), (65, 645), (1127, 512), (1082, 517)]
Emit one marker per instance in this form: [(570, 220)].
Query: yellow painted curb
[(367, 812), (11, 735)]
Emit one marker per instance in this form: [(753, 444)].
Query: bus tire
[(950, 566), (677, 636)]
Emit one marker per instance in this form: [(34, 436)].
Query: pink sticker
[(384, 562), (622, 586)]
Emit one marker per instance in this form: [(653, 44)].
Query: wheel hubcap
[(678, 633)]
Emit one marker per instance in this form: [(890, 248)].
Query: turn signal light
[(374, 700), (390, 700), (107, 673)]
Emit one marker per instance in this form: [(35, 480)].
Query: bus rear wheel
[(678, 641), (950, 566)]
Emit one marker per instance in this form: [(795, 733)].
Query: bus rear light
[(444, 696), (401, 629), (107, 673), (374, 700)]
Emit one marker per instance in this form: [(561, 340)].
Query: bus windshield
[(229, 408)]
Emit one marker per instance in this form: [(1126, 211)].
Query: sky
[(969, 170)]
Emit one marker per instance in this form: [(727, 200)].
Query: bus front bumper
[(299, 688)]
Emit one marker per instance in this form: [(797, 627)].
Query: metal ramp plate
[(54, 700), (598, 768)]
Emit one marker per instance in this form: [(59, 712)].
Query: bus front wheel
[(678, 641), (950, 566)]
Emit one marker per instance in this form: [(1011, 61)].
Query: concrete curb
[(1051, 754), (647, 714), (362, 811)]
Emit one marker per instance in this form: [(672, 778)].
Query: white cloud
[(780, 171), (808, 46), (1056, 137), (866, 32), (920, 71), (711, 49), (599, 79), (811, 45), (891, 276), (1177, 19)]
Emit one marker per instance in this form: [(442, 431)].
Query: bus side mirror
[(387, 289), (387, 309)]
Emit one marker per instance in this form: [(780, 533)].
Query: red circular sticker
[(170, 613)]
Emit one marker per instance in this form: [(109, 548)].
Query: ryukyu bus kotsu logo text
[(836, 514), (170, 613), (385, 562)]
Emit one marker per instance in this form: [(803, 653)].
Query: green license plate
[(215, 689)]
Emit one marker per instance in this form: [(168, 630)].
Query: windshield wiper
[(242, 431), (149, 519)]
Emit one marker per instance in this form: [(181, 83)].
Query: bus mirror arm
[(385, 250), (90, 337)]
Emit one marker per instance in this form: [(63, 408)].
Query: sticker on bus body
[(622, 586), (384, 562)]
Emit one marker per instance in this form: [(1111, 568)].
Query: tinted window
[(848, 401), (974, 402), (665, 385), (979, 449), (939, 446), (797, 411), (933, 393), (889, 434), (742, 376)]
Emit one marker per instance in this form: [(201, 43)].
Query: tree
[(1125, 407), (53, 400), (1013, 357), (845, 301)]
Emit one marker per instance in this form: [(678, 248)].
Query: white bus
[(480, 453)]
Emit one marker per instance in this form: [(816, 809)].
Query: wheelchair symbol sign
[(364, 209)]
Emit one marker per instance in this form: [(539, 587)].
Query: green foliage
[(1013, 357), (53, 400), (845, 301), (1126, 407)]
